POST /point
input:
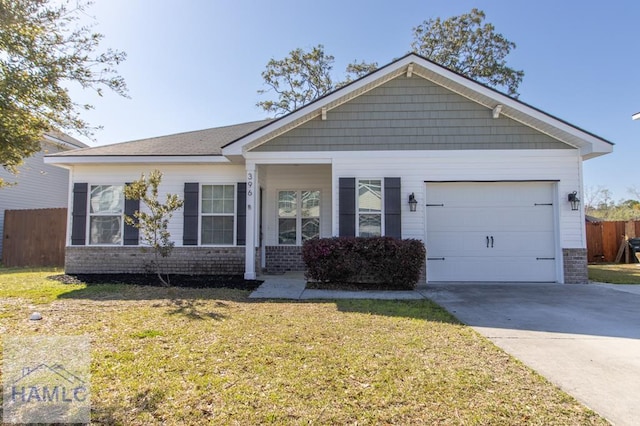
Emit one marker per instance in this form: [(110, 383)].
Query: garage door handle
[(492, 241), (435, 258), (487, 241)]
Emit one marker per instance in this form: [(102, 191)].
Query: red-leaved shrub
[(391, 262)]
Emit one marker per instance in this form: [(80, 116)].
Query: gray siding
[(410, 114)]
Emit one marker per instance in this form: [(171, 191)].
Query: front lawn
[(213, 356), (615, 273)]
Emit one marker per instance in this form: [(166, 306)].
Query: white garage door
[(479, 231)]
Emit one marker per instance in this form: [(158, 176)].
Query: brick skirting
[(281, 259), (575, 266), (132, 260)]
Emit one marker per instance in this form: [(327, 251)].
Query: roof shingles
[(198, 143)]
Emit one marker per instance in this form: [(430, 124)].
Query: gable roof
[(222, 143), (590, 145), (207, 142)]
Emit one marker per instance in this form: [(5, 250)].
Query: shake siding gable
[(410, 114)]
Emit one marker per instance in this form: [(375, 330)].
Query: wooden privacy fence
[(34, 237), (604, 238)]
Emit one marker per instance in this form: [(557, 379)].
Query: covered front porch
[(286, 204)]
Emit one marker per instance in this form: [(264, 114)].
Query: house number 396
[(249, 184)]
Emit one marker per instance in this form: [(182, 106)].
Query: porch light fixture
[(574, 200), (413, 203)]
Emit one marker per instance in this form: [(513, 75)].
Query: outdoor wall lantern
[(574, 200), (413, 203)]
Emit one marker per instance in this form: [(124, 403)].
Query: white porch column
[(252, 217)]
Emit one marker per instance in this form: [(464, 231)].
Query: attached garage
[(491, 231)]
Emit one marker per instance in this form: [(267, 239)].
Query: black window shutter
[(130, 232), (347, 209), (79, 215), (392, 208), (241, 216), (190, 224)]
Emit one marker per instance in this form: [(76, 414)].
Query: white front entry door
[(497, 231)]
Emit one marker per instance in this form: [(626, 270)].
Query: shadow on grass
[(106, 292), (192, 309), (188, 302), (417, 309), (193, 303)]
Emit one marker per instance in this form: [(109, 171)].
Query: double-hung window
[(217, 215), (106, 214), (298, 216), (369, 207)]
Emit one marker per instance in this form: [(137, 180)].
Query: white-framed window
[(217, 214), (106, 214), (370, 208), (298, 216)]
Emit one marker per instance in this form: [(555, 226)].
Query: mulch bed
[(193, 281)]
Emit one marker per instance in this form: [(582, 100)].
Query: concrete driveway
[(583, 338)]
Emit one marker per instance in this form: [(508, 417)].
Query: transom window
[(106, 214), (298, 216), (218, 209), (370, 207)]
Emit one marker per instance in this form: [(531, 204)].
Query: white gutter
[(81, 159)]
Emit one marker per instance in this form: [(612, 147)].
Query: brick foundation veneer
[(575, 266), (131, 260), (281, 259)]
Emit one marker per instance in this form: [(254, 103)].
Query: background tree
[(463, 44), (43, 50), (297, 79), (600, 204), (356, 69), (302, 77), (154, 222)]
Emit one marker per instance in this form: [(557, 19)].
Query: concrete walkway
[(292, 286), (583, 338)]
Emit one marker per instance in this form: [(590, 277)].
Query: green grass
[(615, 273), (31, 284), (194, 356)]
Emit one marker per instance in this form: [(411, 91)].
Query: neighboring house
[(491, 175), (38, 185)]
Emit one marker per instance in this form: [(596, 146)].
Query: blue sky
[(195, 64)]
